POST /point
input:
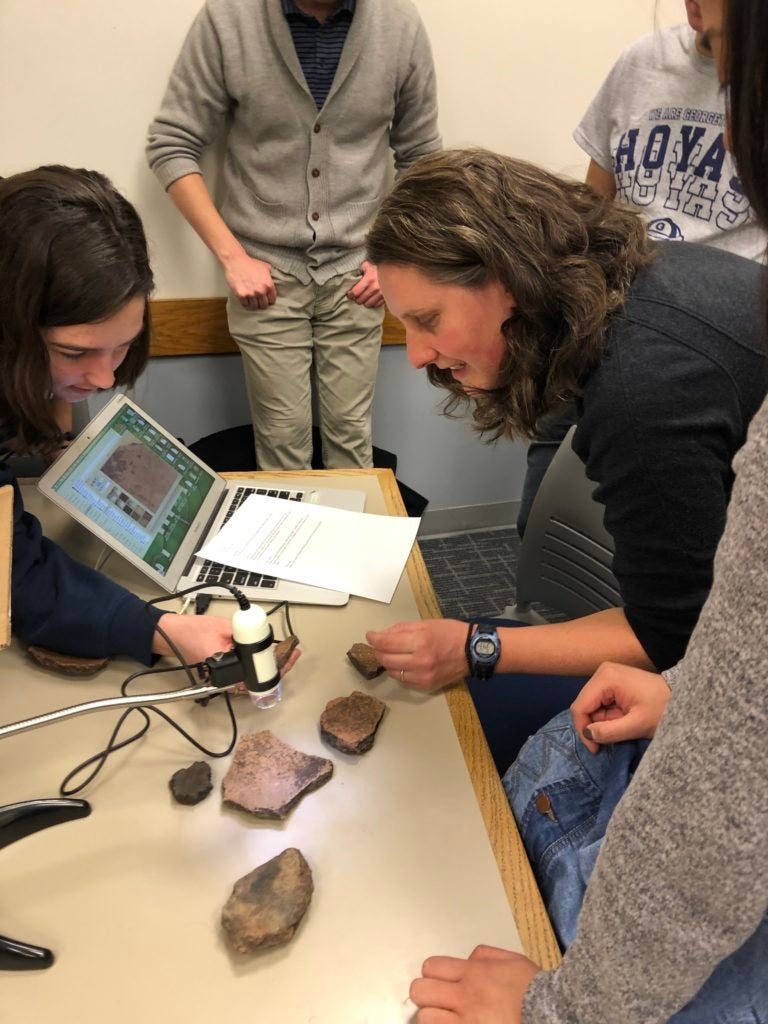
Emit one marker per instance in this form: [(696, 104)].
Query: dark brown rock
[(285, 648), (365, 661), (350, 723), (193, 784), (267, 777), (267, 905), (66, 664)]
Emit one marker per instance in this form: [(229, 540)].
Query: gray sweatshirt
[(301, 185), (682, 878)]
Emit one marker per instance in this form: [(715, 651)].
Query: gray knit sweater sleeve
[(682, 879)]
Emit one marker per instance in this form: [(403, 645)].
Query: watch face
[(484, 648)]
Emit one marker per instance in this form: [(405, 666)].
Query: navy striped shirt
[(319, 46)]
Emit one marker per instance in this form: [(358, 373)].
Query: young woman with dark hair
[(520, 291), (674, 925), (74, 319)]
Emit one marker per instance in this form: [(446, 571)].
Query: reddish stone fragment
[(285, 648), (350, 723), (66, 664), (365, 661), (267, 777)]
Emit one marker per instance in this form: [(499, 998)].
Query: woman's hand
[(422, 655), (619, 703), (488, 988)]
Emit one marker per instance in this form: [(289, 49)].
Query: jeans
[(562, 798)]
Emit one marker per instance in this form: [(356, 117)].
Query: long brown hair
[(72, 251), (566, 255)]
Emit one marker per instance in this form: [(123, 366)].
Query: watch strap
[(470, 628)]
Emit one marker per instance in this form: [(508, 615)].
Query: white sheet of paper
[(354, 552)]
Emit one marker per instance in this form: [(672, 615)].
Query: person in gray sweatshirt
[(674, 923), (310, 95)]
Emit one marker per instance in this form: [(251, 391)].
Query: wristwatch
[(483, 650)]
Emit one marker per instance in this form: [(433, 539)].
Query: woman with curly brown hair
[(521, 291), (74, 319), (674, 926)]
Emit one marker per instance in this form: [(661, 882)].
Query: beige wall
[(80, 80)]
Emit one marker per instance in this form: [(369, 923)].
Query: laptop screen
[(134, 482)]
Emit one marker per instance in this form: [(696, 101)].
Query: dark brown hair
[(745, 47), (566, 255), (72, 251)]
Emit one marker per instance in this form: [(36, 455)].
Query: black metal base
[(17, 821)]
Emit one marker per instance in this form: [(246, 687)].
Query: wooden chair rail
[(198, 327)]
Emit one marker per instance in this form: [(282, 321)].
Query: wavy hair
[(567, 255), (72, 251)]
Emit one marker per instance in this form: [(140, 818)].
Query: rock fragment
[(266, 906), (365, 661), (285, 648), (350, 723), (267, 777), (66, 664), (192, 784)]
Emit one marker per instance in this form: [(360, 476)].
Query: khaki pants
[(310, 326)]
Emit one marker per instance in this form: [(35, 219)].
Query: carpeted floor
[(473, 573)]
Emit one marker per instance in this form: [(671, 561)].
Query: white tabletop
[(130, 898)]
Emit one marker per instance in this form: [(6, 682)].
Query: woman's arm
[(431, 653)]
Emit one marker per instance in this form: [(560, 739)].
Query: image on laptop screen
[(135, 484)]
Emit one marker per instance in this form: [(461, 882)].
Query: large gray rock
[(267, 777), (350, 723), (267, 905)]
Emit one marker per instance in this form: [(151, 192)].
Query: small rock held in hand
[(365, 660), (285, 648), (266, 906), (66, 664), (193, 784), (350, 723)]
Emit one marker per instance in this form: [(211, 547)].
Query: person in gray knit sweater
[(674, 924), (311, 95)]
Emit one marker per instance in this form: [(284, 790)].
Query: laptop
[(131, 483)]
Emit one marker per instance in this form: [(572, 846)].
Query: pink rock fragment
[(267, 777)]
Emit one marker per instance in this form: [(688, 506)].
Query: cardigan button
[(316, 129), (315, 216), (315, 172)]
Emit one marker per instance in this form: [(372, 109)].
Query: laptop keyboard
[(214, 572)]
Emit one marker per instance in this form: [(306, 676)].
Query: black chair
[(231, 451), (566, 556)]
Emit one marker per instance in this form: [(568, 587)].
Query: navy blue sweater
[(60, 604), (663, 415)]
